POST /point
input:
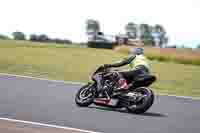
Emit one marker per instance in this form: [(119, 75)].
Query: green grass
[(61, 62)]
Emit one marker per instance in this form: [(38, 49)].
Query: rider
[(137, 62)]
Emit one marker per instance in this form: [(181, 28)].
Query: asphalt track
[(53, 103)]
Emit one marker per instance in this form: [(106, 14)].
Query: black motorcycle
[(137, 98)]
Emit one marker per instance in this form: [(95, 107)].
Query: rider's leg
[(131, 75), (100, 89), (98, 78)]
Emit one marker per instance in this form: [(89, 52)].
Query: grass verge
[(182, 56), (76, 64)]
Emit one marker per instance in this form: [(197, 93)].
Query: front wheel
[(85, 95), (146, 99)]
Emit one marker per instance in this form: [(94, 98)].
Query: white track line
[(185, 97), (58, 81), (81, 83), (48, 125)]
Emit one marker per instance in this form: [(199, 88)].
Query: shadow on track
[(150, 114)]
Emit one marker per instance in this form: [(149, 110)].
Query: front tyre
[(85, 95), (145, 102)]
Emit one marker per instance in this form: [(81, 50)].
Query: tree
[(33, 37), (160, 32), (92, 29), (43, 38), (39, 38), (165, 41), (92, 25), (131, 30), (19, 35), (198, 46), (146, 34), (67, 41)]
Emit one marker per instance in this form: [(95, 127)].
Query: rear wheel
[(144, 102), (85, 95)]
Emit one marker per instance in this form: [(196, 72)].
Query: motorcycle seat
[(145, 80)]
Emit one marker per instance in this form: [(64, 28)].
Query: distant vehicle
[(137, 97), (125, 40), (122, 39), (99, 40)]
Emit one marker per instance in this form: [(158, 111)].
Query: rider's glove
[(106, 66)]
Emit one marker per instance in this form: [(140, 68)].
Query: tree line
[(36, 38), (149, 35)]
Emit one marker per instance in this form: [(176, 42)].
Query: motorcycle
[(137, 97)]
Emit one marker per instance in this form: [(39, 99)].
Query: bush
[(106, 45), (4, 37), (45, 38), (33, 37)]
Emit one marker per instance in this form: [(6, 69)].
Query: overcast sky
[(66, 18)]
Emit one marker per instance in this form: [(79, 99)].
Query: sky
[(66, 18)]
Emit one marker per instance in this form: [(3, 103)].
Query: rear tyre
[(85, 95), (145, 103)]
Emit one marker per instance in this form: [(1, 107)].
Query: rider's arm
[(124, 62)]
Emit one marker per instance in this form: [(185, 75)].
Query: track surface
[(53, 103), (8, 126)]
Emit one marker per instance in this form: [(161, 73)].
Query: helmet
[(138, 51)]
